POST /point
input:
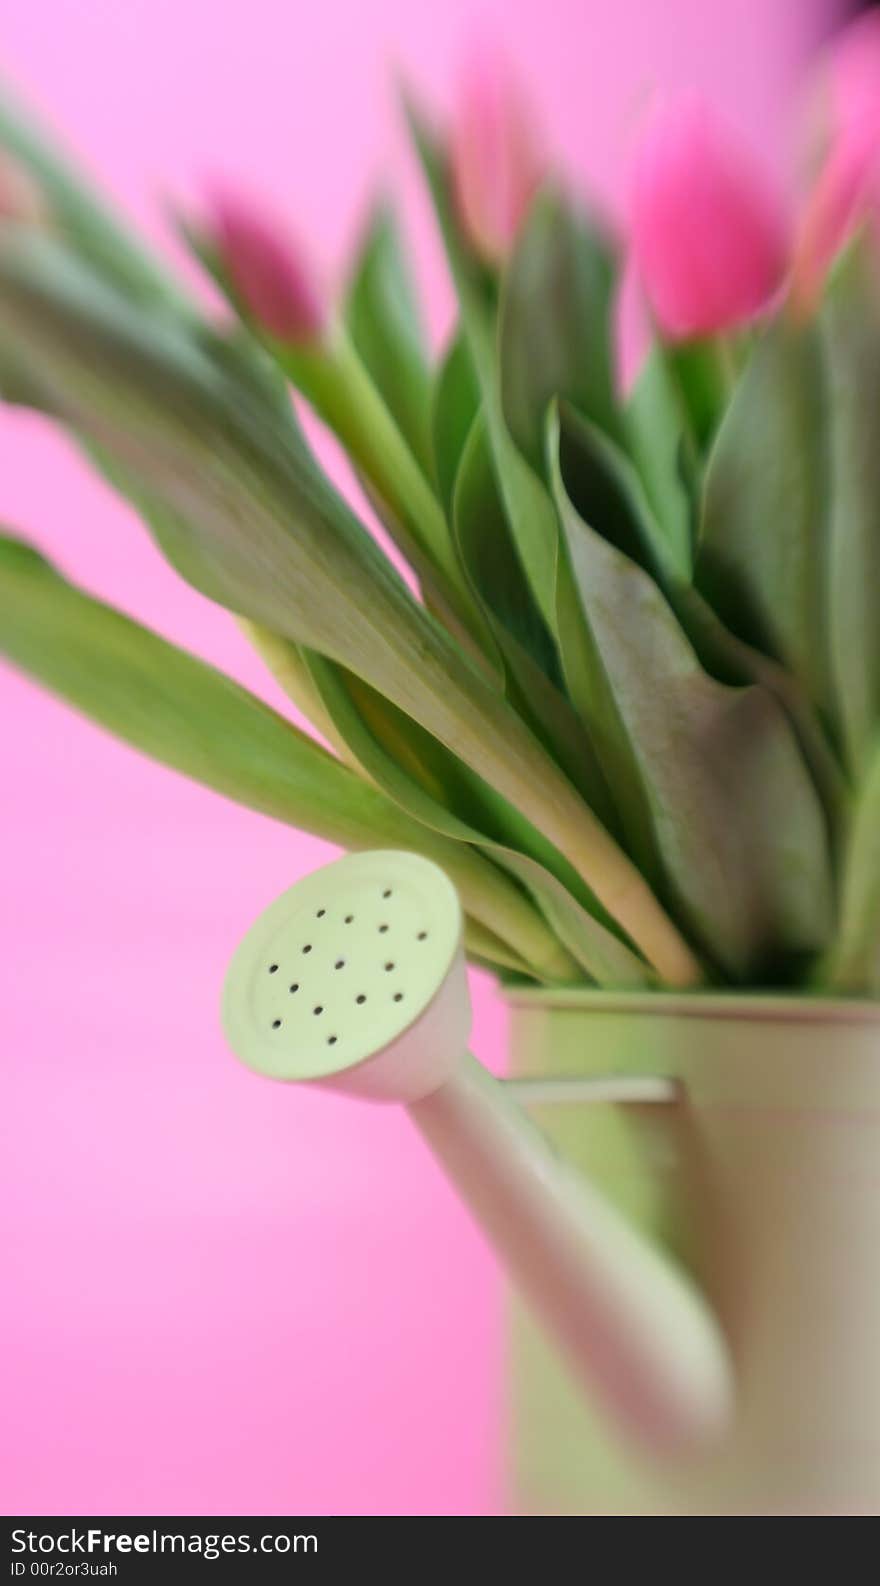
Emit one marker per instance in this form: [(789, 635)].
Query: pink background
[(222, 1296)]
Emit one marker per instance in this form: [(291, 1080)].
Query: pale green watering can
[(355, 979)]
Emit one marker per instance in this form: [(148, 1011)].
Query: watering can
[(355, 979)]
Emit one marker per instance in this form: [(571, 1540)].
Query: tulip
[(846, 197), (846, 193), (496, 164), (266, 271), (709, 234), (852, 70), (20, 198)]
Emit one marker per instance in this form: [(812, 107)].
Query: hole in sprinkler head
[(273, 969), (387, 892), (320, 914), (331, 1040), (422, 936), (307, 948), (319, 1009), (294, 987), (340, 963), (349, 918), (388, 966), (382, 929), (361, 998), (276, 1024), (398, 996)]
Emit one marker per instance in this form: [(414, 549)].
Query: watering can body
[(763, 1178)]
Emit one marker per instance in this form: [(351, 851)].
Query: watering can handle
[(633, 1326)]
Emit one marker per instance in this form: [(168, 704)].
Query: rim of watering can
[(785, 1007)]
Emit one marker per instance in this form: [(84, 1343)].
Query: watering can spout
[(355, 979), (639, 1335)]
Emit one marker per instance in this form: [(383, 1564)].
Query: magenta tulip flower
[(846, 196), (266, 270), (496, 163), (846, 193), (709, 235), (852, 76)]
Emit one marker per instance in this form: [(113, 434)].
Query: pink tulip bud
[(852, 74), (496, 165), (845, 197), (709, 234), (266, 271), (20, 198), (846, 193)]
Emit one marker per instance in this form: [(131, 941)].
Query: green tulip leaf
[(533, 683), (82, 219), (763, 552), (604, 486), (735, 821), (662, 448), (489, 952), (363, 378), (189, 716), (555, 323), (383, 323), (527, 504), (249, 519), (851, 324), (407, 766), (456, 402), (853, 965)]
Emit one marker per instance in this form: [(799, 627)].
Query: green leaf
[(555, 329), (81, 217), (248, 518), (425, 784), (456, 402), (383, 323), (735, 819), (851, 324), (605, 488), (466, 267), (763, 553), (533, 683), (488, 553), (287, 664), (451, 603), (346, 377), (663, 450), (854, 962), (334, 380), (191, 717), (486, 951), (176, 708), (529, 509)]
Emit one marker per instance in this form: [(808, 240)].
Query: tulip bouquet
[(620, 672)]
